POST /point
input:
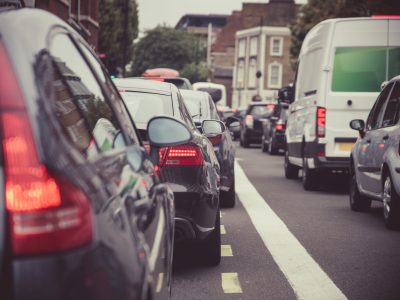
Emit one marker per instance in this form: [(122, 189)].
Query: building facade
[(83, 15)]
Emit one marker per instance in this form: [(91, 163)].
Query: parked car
[(202, 107), (84, 214), (239, 114), (375, 158), (191, 170), (251, 127), (342, 64), (273, 138), (179, 82)]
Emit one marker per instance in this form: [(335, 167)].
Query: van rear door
[(358, 65)]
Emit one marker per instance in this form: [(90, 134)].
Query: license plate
[(345, 146)]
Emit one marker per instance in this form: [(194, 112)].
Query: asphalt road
[(357, 253)]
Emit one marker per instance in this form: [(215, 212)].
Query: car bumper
[(332, 163)]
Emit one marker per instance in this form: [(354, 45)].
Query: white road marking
[(226, 250), (230, 283), (157, 240), (223, 230), (160, 281), (304, 274)]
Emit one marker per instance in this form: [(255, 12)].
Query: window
[(253, 46), (242, 48), (252, 73), (275, 75), (84, 96), (240, 74), (363, 69), (276, 47), (373, 121), (391, 116)]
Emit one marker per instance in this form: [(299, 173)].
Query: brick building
[(82, 13)]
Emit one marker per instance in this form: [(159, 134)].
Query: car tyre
[(264, 147), (272, 149), (391, 205), (309, 177), (210, 251), (228, 199), (291, 171), (358, 202)]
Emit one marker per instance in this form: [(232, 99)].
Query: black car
[(202, 107), (273, 138), (83, 212), (375, 159), (251, 126), (191, 170)]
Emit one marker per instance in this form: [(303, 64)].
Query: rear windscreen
[(364, 69), (144, 106), (179, 83), (197, 107), (261, 110)]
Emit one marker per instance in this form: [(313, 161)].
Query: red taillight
[(46, 213), (215, 140), (321, 121), (181, 156), (279, 126), (249, 121), (147, 147)]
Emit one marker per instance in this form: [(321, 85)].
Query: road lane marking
[(160, 282), (220, 214), (231, 283), (223, 230), (303, 273), (226, 250)]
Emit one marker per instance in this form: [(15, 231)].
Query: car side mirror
[(163, 131), (212, 127), (234, 125), (358, 125), (231, 120)]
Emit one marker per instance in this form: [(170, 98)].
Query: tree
[(195, 72), (165, 47), (316, 11), (118, 28)]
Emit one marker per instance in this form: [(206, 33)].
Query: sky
[(156, 12)]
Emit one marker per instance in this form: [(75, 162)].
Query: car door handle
[(386, 137)]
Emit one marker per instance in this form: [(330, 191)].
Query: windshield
[(144, 106), (364, 69)]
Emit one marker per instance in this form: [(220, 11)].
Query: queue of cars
[(97, 186)]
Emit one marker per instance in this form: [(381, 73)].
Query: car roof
[(194, 94), (141, 85)]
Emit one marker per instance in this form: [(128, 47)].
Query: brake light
[(186, 155), (46, 213), (215, 140), (280, 126), (249, 121), (321, 121)]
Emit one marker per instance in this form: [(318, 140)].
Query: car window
[(261, 110), (197, 106), (391, 116), (86, 92), (185, 115), (213, 109), (144, 106), (373, 121), (119, 106), (284, 113)]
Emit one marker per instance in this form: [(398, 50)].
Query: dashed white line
[(303, 273), (223, 230), (226, 250), (230, 283)]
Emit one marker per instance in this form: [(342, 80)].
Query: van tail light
[(46, 213), (249, 121), (321, 121), (279, 126), (186, 155)]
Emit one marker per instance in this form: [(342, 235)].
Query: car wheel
[(272, 149), (358, 202), (210, 251), (291, 171), (264, 147), (228, 199), (309, 178), (391, 211)]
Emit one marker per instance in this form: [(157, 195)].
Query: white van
[(342, 65), (217, 91)]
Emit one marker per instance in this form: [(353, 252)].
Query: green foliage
[(195, 73), (113, 36), (316, 11), (166, 47)]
